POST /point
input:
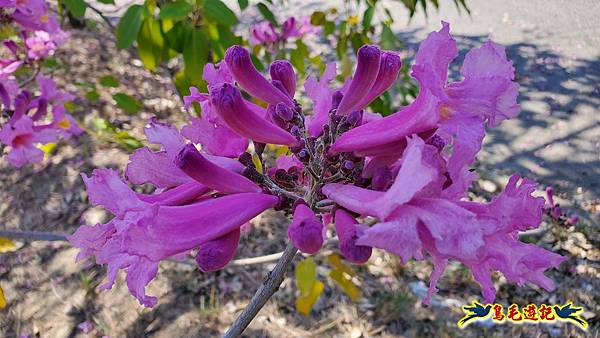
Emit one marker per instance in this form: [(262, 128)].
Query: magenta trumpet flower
[(143, 234), (229, 104), (409, 172), (367, 69)]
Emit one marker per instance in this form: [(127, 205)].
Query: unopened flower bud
[(284, 112), (437, 142), (306, 231), (348, 232), (382, 179), (216, 254), (336, 99), (283, 71), (277, 84)]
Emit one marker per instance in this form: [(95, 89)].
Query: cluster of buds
[(37, 37), (341, 164)]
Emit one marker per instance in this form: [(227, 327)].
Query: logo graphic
[(529, 314)]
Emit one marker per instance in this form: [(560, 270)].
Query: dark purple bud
[(259, 148), (253, 175), (348, 232), (277, 84), (303, 156), (306, 232), (298, 147), (437, 142), (284, 112), (241, 67), (281, 70), (336, 99), (275, 118), (216, 254), (354, 118), (246, 160), (382, 179), (295, 131), (367, 68), (348, 165)]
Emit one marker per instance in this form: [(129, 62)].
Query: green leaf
[(217, 10), (243, 4), (317, 18), (388, 39), (195, 53), (151, 44), (297, 60), (109, 81), (175, 10), (7, 31), (126, 102), (129, 26), (127, 141), (107, 2), (76, 7), (182, 83), (368, 17), (328, 28), (92, 95), (266, 13), (175, 37)]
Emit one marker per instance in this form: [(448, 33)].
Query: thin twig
[(30, 79), (269, 286), (99, 12), (34, 235)]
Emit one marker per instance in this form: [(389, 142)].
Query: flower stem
[(268, 288)]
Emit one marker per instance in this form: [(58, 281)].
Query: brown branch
[(269, 286)]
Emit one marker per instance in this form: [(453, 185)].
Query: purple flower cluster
[(265, 33), (409, 172), (37, 38)]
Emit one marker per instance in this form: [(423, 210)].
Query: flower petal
[(190, 161)]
